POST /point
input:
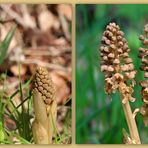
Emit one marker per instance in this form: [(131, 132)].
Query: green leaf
[(2, 135), (5, 44)]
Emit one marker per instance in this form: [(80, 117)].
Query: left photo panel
[(35, 74)]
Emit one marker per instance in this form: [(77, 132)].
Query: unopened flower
[(44, 84)]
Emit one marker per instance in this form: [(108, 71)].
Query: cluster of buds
[(143, 54), (45, 107), (44, 84), (115, 63)]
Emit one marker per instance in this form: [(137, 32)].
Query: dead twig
[(46, 52), (45, 64), (16, 17), (64, 25)]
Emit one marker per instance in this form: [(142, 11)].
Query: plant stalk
[(130, 120)]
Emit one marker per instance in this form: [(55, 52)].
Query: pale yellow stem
[(52, 120), (40, 124), (40, 134), (130, 120), (40, 109)]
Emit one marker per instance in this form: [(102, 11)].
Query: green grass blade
[(22, 140), (5, 44)]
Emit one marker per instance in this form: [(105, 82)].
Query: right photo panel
[(111, 74)]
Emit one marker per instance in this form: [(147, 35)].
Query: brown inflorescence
[(115, 63), (43, 83), (143, 54)]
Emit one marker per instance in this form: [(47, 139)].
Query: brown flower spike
[(45, 107), (119, 69), (44, 84), (143, 54), (116, 64)]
